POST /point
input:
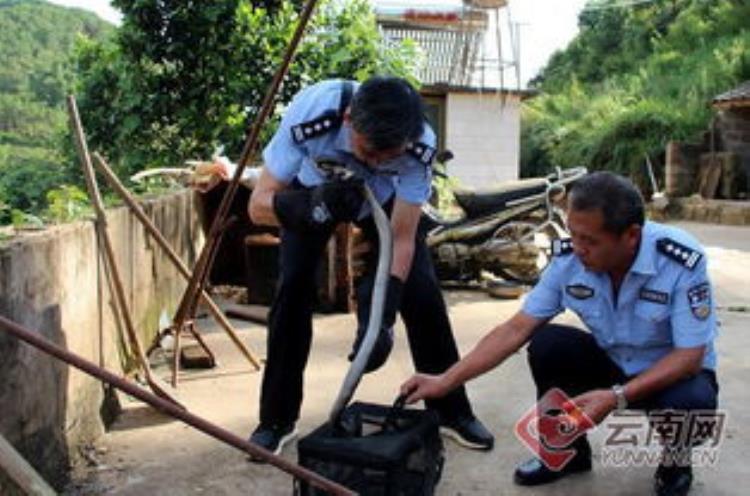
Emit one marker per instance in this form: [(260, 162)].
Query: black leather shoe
[(468, 432), (535, 473), (673, 480), (272, 437)]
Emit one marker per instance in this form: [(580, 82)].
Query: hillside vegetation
[(36, 70), (637, 75)]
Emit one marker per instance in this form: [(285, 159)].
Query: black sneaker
[(272, 438), (468, 432), (673, 480)]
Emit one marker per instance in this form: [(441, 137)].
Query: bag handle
[(389, 422)]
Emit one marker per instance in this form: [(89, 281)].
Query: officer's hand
[(384, 343), (596, 404), (424, 386), (320, 207), (336, 201), (380, 350), (392, 301)]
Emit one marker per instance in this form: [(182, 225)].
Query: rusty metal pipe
[(170, 408), (204, 260)]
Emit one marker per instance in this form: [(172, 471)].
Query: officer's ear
[(632, 237), (348, 115)]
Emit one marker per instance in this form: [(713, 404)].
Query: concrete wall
[(55, 282), (697, 209), (484, 133)]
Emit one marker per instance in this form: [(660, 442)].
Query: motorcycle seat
[(483, 201)]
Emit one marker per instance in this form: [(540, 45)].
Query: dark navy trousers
[(423, 310), (568, 358)]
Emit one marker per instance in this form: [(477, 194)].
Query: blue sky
[(546, 25)]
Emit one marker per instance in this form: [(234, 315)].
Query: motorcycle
[(506, 231)]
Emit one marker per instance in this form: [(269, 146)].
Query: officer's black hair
[(388, 112), (616, 197)]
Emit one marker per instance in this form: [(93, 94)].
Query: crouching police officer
[(642, 290), (377, 131)]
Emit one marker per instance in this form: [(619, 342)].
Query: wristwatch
[(622, 401)]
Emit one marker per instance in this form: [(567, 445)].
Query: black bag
[(379, 451)]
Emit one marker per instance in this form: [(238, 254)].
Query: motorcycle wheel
[(534, 251)]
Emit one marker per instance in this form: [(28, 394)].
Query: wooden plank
[(21, 473), (252, 313), (733, 180), (710, 174), (265, 239), (343, 267)]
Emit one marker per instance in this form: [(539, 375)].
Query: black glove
[(392, 301), (336, 201), (384, 342), (320, 207)]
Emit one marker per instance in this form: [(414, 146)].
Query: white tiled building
[(475, 116), (482, 129)]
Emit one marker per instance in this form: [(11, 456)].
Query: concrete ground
[(146, 453)]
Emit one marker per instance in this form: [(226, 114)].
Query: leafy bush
[(28, 174), (25, 220), (66, 203), (5, 208)]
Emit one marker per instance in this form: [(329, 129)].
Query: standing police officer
[(377, 131), (642, 290)]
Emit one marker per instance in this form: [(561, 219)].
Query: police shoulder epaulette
[(678, 252), (328, 121), (316, 127), (562, 247), (422, 152)]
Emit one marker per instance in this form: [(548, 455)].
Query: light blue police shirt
[(407, 176), (664, 301)]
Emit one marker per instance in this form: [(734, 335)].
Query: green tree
[(182, 77)]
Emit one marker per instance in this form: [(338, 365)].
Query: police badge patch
[(699, 298), (579, 291)]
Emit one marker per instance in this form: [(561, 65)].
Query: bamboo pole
[(136, 209), (21, 472), (101, 228)]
